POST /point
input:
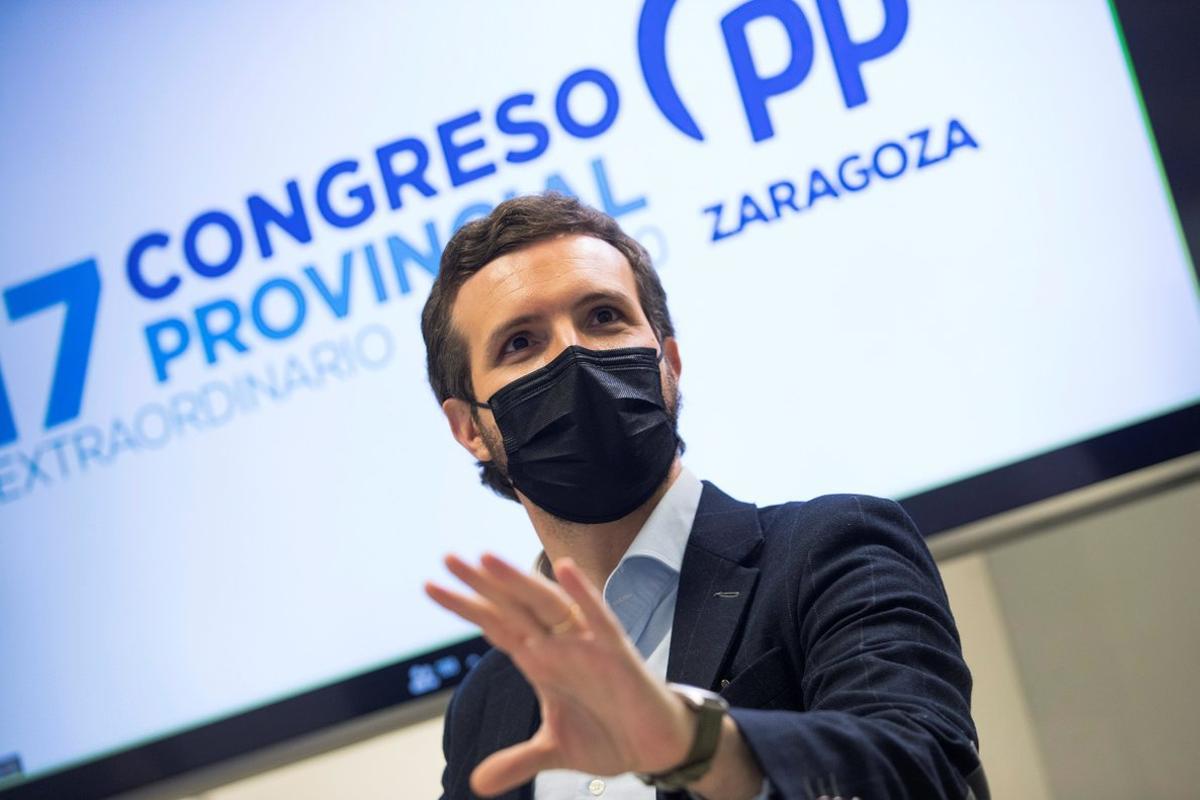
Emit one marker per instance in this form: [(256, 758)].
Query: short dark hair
[(513, 225)]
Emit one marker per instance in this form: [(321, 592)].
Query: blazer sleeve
[(886, 691)]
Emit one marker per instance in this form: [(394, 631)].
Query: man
[(823, 625)]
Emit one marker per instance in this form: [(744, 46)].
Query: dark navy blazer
[(826, 627)]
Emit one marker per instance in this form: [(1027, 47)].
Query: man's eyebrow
[(615, 298)]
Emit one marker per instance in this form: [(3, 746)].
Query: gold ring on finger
[(567, 624)]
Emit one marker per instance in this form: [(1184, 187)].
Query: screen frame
[(1158, 38)]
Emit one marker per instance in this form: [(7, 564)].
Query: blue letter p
[(849, 56), (755, 88)]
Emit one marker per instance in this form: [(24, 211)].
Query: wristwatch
[(710, 709)]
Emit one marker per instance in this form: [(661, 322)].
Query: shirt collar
[(641, 590), (664, 535)]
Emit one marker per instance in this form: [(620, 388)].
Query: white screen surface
[(237, 531)]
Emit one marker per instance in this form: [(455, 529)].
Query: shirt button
[(596, 787)]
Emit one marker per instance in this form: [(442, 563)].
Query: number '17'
[(78, 288)]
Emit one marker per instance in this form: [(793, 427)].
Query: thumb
[(513, 766)]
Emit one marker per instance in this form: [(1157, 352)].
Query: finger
[(548, 603), (512, 767), (591, 604), (478, 611), (471, 609), (514, 613)]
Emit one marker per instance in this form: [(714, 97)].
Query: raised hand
[(602, 711)]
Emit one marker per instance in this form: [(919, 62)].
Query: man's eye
[(605, 315), (518, 342)]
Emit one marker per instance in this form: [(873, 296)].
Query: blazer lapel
[(714, 588)]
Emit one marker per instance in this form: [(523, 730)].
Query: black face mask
[(588, 436)]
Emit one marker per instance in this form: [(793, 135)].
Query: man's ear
[(671, 355), (462, 425)]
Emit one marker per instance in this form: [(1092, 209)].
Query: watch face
[(699, 698)]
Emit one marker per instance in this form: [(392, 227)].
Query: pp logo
[(755, 88)]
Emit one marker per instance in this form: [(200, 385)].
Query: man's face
[(523, 309)]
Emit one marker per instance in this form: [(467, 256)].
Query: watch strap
[(710, 710)]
